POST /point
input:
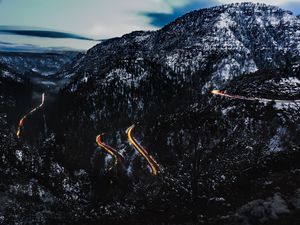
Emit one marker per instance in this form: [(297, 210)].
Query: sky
[(80, 24)]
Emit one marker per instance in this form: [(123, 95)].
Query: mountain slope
[(226, 40), (222, 160), (161, 80)]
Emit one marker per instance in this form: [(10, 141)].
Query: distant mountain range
[(46, 63)]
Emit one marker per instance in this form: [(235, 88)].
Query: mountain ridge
[(217, 39)]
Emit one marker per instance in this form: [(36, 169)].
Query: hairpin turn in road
[(153, 165), (111, 151)]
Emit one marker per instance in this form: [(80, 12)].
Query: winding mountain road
[(21, 123), (222, 93), (153, 165), (111, 151)]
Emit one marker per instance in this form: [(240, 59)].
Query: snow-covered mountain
[(217, 43), (222, 160), (162, 80), (251, 49)]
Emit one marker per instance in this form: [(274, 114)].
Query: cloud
[(292, 6), (161, 19), (17, 47), (40, 33), (13, 47)]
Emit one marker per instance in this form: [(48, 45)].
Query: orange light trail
[(114, 153), (21, 123), (153, 165), (222, 93)]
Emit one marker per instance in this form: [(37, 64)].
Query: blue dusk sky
[(80, 24)]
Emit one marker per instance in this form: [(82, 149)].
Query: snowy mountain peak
[(217, 43)]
